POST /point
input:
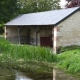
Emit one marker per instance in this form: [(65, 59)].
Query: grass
[(26, 57), (70, 61), (36, 58), (26, 52)]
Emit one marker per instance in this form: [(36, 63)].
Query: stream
[(9, 74)]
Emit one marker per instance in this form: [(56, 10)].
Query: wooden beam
[(5, 35), (36, 35), (19, 42), (35, 30)]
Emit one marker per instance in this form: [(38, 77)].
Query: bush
[(70, 61), (4, 45), (1, 28), (68, 48), (25, 52)]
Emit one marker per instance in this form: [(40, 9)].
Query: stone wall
[(42, 32), (11, 33), (33, 36), (46, 31), (69, 31)]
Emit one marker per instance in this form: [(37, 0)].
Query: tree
[(29, 6), (73, 3), (11, 8), (8, 9)]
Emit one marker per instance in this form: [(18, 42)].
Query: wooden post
[(19, 35), (54, 74), (36, 35), (35, 29), (5, 35)]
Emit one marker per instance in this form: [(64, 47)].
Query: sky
[(63, 3)]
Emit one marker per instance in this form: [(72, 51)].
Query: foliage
[(11, 8), (70, 61), (68, 48), (14, 54), (25, 52), (8, 10), (73, 3), (26, 58), (29, 6), (1, 28)]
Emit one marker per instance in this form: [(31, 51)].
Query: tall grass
[(15, 52), (70, 61)]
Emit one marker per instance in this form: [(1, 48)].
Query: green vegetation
[(26, 58), (16, 52), (70, 61), (39, 59), (29, 6)]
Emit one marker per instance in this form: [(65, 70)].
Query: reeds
[(16, 52)]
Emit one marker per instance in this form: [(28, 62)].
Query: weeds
[(70, 61), (25, 52)]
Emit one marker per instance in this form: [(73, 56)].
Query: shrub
[(68, 48), (25, 52), (70, 60)]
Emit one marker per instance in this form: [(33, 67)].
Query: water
[(21, 76), (9, 74), (59, 75)]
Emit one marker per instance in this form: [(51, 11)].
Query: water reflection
[(54, 74), (20, 76), (9, 74), (59, 75)]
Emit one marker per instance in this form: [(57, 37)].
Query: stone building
[(53, 28)]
